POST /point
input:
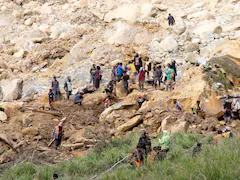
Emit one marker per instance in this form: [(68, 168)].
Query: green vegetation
[(213, 162)]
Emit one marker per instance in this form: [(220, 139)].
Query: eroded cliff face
[(39, 39)]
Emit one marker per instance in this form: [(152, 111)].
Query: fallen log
[(42, 111), (50, 143), (73, 146)]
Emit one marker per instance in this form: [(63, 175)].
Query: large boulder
[(130, 12), (130, 124), (30, 131), (3, 116), (167, 45), (58, 29), (12, 90), (34, 36)]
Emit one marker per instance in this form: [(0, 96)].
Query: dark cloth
[(51, 97), (78, 99), (58, 141), (145, 144), (171, 20), (125, 82), (69, 93), (141, 101), (97, 78), (55, 84)]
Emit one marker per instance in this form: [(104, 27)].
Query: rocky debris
[(30, 131), (130, 124), (3, 116), (12, 90)]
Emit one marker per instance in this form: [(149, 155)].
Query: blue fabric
[(77, 98), (119, 70)]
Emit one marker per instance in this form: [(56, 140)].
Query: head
[(165, 132), (169, 65), (55, 176), (120, 64), (159, 67), (169, 14), (50, 90), (94, 65), (198, 102), (139, 96), (54, 77), (98, 68), (69, 78), (219, 132), (143, 132), (60, 124), (141, 68), (199, 144), (227, 129), (174, 101)]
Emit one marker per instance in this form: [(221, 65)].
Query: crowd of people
[(231, 109)]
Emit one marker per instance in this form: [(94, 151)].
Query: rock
[(148, 115), (130, 12), (12, 90), (72, 146), (29, 22), (19, 54), (162, 7), (181, 127), (30, 131), (191, 47), (34, 36), (130, 124), (234, 124), (213, 3), (233, 26), (191, 58), (201, 15), (77, 154), (3, 116), (26, 121), (167, 45), (45, 28), (58, 29), (222, 123)]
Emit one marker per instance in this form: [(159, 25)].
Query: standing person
[(145, 143), (78, 98), (174, 67), (55, 88), (92, 73), (170, 74), (157, 76), (97, 77), (171, 20), (125, 82), (119, 72), (178, 105), (227, 111), (133, 72), (141, 100), (58, 134), (141, 78), (114, 74), (68, 87), (51, 99), (137, 62), (236, 108), (148, 67)]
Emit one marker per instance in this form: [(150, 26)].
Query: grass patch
[(213, 162)]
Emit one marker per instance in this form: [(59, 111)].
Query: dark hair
[(98, 67), (55, 176), (169, 65)]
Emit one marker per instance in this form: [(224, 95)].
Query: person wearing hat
[(55, 88), (58, 134), (144, 143), (141, 78), (141, 100), (165, 141)]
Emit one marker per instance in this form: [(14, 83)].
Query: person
[(97, 77), (171, 20), (198, 111), (51, 99), (68, 87), (133, 72), (137, 62), (114, 74), (55, 88), (125, 82), (107, 102), (136, 159), (147, 67), (145, 143), (159, 76), (170, 74), (177, 105), (78, 98), (236, 108), (174, 67), (58, 134), (227, 132), (165, 141), (109, 88), (227, 111), (141, 78), (119, 72), (92, 73), (55, 176), (141, 100)]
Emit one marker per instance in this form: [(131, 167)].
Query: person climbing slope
[(58, 134), (55, 88), (171, 20), (68, 87)]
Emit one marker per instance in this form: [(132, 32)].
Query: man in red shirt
[(141, 78)]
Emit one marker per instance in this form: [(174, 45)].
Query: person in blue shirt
[(78, 98), (119, 72)]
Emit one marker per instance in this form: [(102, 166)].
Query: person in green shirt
[(170, 75), (165, 141), (92, 73)]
